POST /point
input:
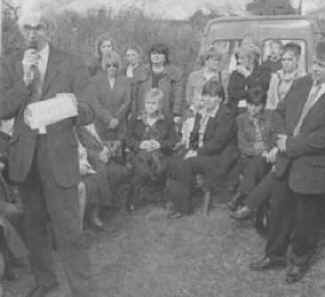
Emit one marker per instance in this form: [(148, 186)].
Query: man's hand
[(30, 66), (190, 154), (177, 119), (271, 155), (113, 123), (145, 145), (282, 142), (150, 145), (27, 117), (104, 155)]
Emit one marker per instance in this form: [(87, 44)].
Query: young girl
[(151, 137)]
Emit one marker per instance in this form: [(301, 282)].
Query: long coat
[(65, 74), (110, 103), (172, 85), (305, 153)]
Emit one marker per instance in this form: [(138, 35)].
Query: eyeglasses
[(114, 65), (37, 28)]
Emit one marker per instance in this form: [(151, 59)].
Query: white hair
[(37, 9)]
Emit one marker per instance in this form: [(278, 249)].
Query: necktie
[(308, 105), (36, 84)]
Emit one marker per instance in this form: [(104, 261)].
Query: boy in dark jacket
[(255, 141)]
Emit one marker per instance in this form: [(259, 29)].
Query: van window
[(272, 44), (229, 48)]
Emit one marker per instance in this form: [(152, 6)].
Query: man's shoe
[(175, 215), (235, 202), (267, 263), (295, 273), (242, 213), (42, 290)]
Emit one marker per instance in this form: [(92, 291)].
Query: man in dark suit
[(44, 162), (300, 172)]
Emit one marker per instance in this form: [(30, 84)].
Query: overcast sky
[(171, 9)]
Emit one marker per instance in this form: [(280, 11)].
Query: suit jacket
[(305, 153), (220, 135), (172, 85), (65, 74), (110, 103)]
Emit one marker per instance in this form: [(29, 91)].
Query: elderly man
[(45, 161), (300, 172)]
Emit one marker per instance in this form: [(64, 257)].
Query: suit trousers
[(47, 204), (294, 224), (213, 168), (281, 218)]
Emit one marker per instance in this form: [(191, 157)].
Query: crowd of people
[(257, 131)]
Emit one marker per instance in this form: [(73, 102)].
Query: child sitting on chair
[(255, 138), (151, 137)]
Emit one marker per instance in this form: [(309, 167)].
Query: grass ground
[(147, 255)]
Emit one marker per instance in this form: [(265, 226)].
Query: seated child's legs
[(254, 169)]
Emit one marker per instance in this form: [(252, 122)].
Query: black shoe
[(242, 213), (295, 273), (267, 263), (43, 290)]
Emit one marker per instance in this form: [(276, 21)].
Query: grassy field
[(147, 255)]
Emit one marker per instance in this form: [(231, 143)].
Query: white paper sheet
[(39, 115)]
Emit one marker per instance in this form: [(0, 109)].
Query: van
[(228, 32)]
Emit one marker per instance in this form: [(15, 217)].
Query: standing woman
[(110, 95), (165, 76), (134, 62), (104, 46), (212, 62), (135, 70)]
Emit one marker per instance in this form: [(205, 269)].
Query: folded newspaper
[(39, 115)]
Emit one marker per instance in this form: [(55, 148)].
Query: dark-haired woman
[(165, 76), (213, 150)]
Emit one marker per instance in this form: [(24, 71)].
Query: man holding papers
[(42, 89)]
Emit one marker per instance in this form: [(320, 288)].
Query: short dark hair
[(292, 47), (161, 49), (256, 95), (213, 88)]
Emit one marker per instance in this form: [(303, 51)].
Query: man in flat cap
[(300, 171), (44, 162)]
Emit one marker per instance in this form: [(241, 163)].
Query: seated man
[(212, 150), (150, 139)]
